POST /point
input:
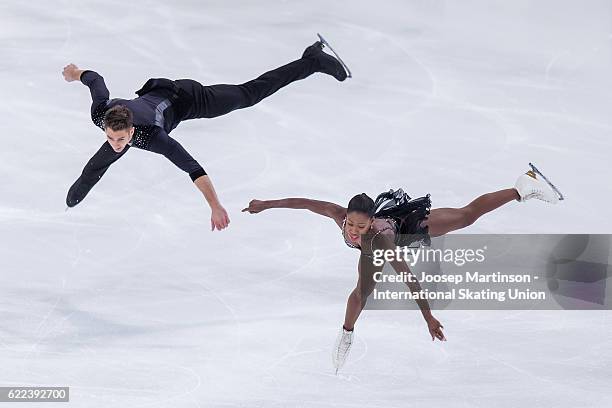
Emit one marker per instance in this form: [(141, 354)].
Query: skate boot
[(313, 50), (529, 186), (325, 62), (342, 348)]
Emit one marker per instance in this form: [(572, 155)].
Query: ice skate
[(539, 173), (342, 348), (313, 50), (327, 63), (529, 186)]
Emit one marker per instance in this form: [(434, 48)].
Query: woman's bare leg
[(358, 297), (354, 306), (444, 220)]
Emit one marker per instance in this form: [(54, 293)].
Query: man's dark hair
[(361, 203), (118, 117)]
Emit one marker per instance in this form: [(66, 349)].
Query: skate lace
[(538, 194), (345, 343)]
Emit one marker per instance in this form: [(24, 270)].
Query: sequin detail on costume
[(142, 133)]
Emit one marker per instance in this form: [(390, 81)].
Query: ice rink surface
[(132, 301)]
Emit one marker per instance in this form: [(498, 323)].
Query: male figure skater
[(146, 121)]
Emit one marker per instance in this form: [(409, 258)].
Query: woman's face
[(357, 224)]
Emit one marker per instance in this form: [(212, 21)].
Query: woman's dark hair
[(118, 117), (361, 203)]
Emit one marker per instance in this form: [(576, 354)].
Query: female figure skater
[(146, 121), (393, 219)]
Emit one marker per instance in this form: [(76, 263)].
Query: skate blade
[(555, 189), (326, 44)]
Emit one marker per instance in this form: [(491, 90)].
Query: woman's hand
[(72, 73), (435, 329), (256, 206)]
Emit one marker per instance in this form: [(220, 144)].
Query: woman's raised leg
[(444, 220)]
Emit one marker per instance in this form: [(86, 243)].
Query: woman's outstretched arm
[(384, 241), (327, 209)]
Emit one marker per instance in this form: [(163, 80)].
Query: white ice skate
[(342, 348), (529, 186)]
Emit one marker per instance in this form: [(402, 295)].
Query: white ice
[(132, 301)]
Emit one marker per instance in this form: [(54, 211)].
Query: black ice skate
[(327, 63)]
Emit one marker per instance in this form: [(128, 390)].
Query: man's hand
[(72, 73), (255, 206), (435, 329), (219, 219)]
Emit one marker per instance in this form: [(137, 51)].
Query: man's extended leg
[(216, 100)]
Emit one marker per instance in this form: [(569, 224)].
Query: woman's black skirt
[(408, 215)]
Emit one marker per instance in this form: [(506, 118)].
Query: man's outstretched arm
[(219, 218), (97, 89), (163, 144), (92, 173)]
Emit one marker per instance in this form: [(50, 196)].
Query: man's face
[(119, 138)]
